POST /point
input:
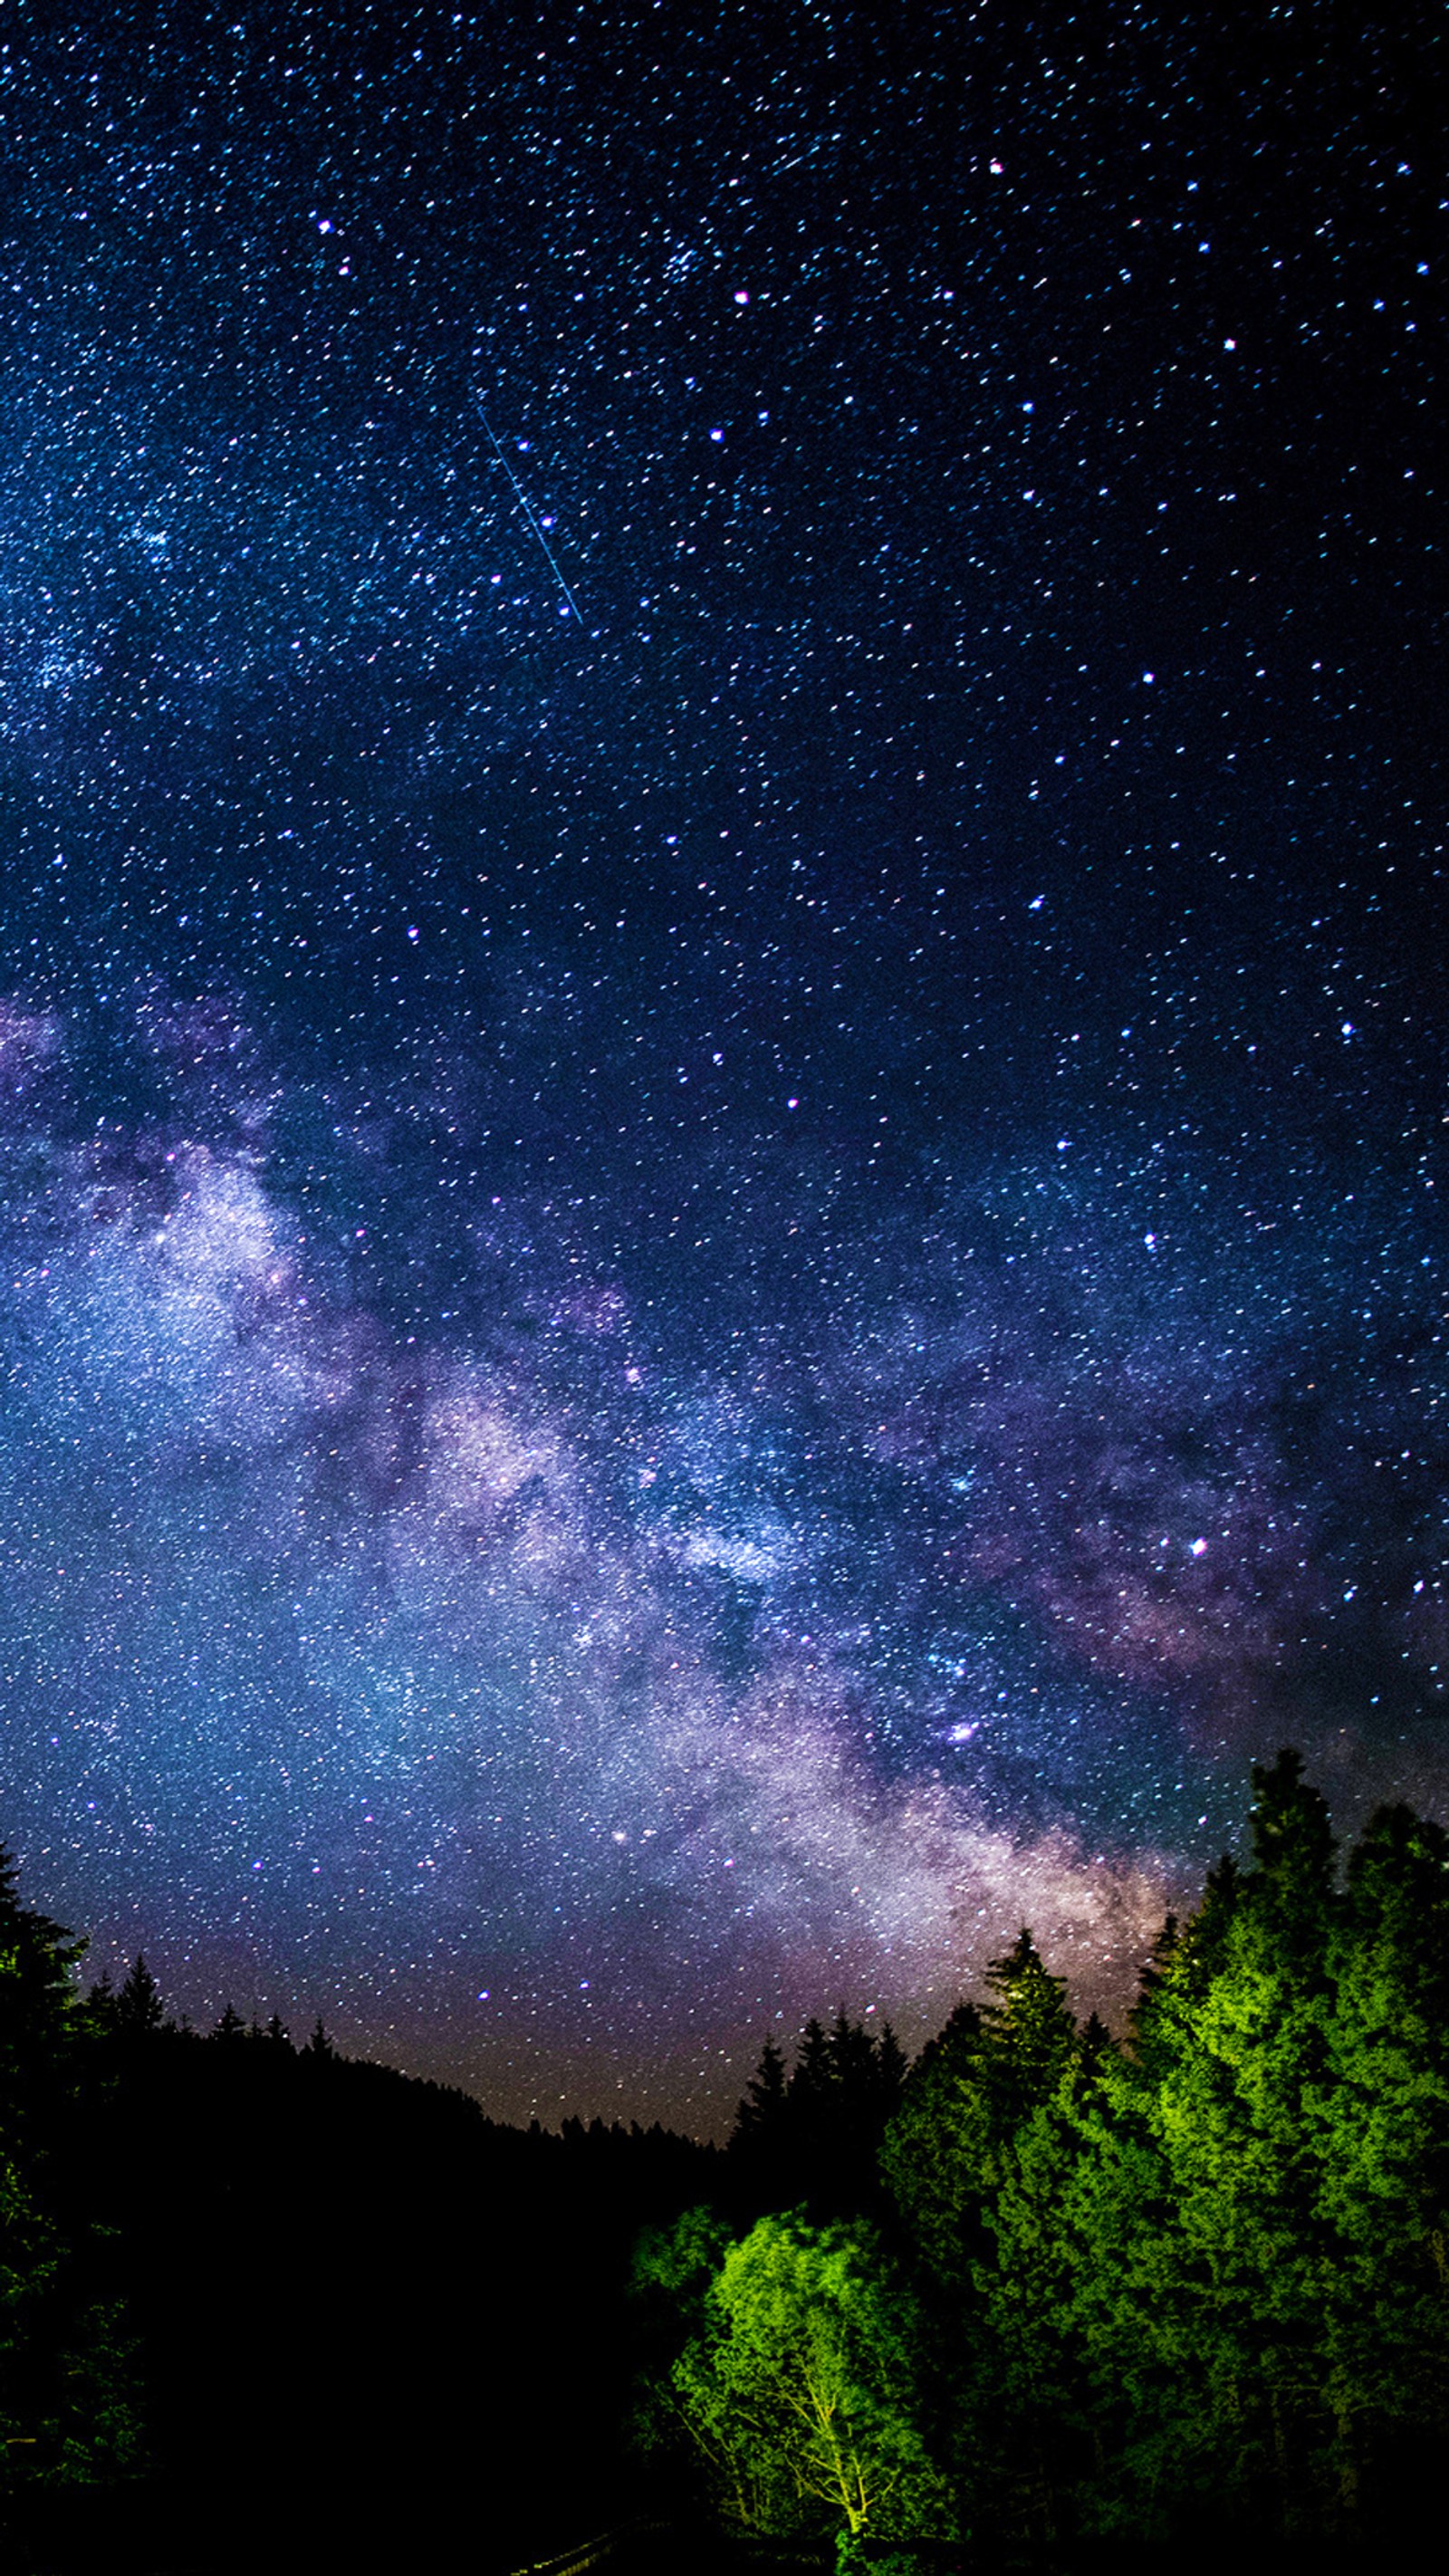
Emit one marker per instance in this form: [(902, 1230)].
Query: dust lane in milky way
[(721, 1261)]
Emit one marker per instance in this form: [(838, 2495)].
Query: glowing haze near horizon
[(703, 1301)]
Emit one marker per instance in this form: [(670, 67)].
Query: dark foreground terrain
[(367, 2327)]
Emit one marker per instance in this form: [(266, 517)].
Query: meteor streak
[(524, 504)]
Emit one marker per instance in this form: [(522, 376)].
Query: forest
[(1047, 2297)]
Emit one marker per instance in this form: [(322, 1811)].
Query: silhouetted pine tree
[(67, 2399), (814, 2135), (892, 2068), (39, 2032), (138, 2007), (762, 2112)]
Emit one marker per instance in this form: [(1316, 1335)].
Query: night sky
[(722, 999)]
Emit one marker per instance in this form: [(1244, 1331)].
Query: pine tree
[(931, 2153), (811, 2078), (1028, 2036), (67, 2404), (761, 2114), (951, 2162), (851, 2060), (1042, 2228), (1382, 2141), (138, 2007), (967, 2094), (893, 2067), (1202, 2293), (1185, 1959), (39, 2022)]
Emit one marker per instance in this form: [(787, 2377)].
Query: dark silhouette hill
[(372, 2327)]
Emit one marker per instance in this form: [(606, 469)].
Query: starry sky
[(722, 1035)]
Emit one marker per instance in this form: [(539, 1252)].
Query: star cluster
[(721, 1071)]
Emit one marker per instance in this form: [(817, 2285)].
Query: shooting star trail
[(523, 502)]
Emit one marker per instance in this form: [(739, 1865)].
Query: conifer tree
[(1028, 2036), (893, 2068), (1056, 2189), (67, 2406), (948, 2157), (970, 2091), (138, 2007), (1200, 2270), (1381, 2122), (39, 2031), (811, 2077), (851, 2061), (928, 2145), (761, 2114)]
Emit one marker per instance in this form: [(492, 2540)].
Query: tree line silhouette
[(260, 2300), (1045, 2297)]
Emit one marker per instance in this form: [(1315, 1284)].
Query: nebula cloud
[(566, 1718)]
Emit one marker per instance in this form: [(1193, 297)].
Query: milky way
[(722, 1045)]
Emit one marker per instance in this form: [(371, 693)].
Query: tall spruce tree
[(761, 2114), (1202, 2262), (139, 2011), (68, 2411), (948, 2156), (1381, 2136), (926, 2145), (1063, 2180), (975, 2084)]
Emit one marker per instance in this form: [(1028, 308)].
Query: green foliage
[(934, 2146), (953, 2160), (966, 2099), (1381, 2140), (1202, 2280), (1191, 2287), (794, 2381)]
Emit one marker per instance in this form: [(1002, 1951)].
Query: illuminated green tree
[(796, 2386), (949, 2154), (1223, 2334), (1192, 2257), (1380, 2126), (965, 2100)]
